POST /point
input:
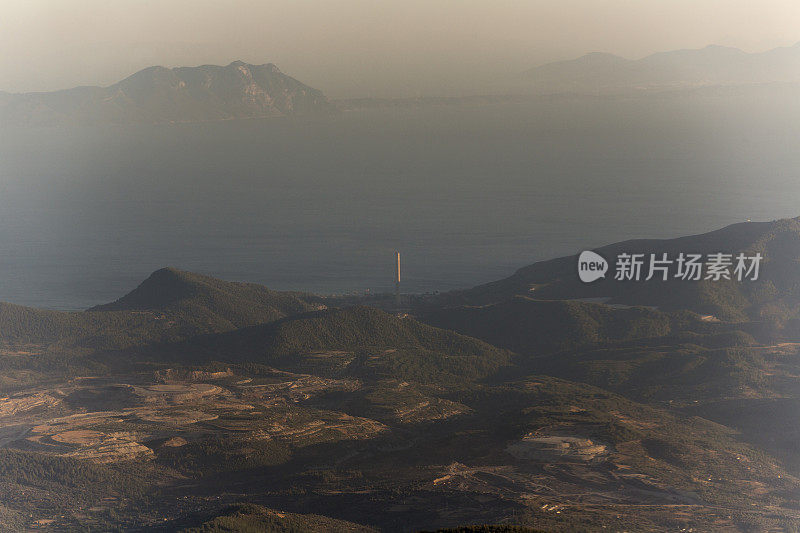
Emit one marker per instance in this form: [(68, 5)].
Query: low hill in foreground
[(248, 517), (355, 341), (642, 353), (158, 94), (529, 326)]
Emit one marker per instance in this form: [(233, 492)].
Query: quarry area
[(105, 421)]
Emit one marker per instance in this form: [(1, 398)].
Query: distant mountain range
[(241, 90), (679, 69), (159, 94)]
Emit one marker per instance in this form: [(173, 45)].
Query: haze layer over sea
[(467, 193)]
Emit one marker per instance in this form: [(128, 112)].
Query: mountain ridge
[(182, 94), (773, 295), (711, 65)]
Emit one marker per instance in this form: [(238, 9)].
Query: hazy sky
[(364, 47)]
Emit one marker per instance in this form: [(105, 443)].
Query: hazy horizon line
[(172, 66)]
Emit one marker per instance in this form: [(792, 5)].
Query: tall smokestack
[(398, 267), (397, 283)]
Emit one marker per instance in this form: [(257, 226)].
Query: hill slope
[(357, 341), (248, 517), (203, 299), (185, 94), (774, 296), (530, 326), (169, 305)]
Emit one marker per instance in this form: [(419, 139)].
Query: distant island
[(242, 90), (161, 95)]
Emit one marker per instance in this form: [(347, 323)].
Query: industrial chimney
[(397, 283)]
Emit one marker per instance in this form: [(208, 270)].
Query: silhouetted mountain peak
[(161, 289)]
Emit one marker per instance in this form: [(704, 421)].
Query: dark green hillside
[(776, 295), (246, 518), (31, 482), (29, 325), (679, 373), (530, 326), (223, 304), (363, 327), (374, 343), (47, 472), (490, 529), (170, 305), (643, 353), (54, 330)]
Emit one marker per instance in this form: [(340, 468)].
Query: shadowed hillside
[(169, 305), (775, 295), (223, 304), (246, 518), (529, 326), (353, 341)]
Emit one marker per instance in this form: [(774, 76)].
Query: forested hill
[(169, 305), (776, 293), (229, 304)]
